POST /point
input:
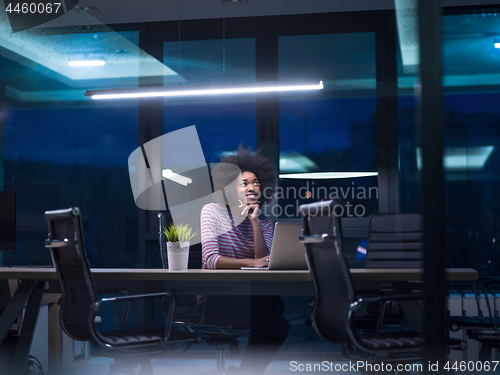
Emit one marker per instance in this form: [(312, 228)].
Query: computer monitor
[(8, 236)]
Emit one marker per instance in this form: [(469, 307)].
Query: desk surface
[(357, 274), (229, 282), (193, 281)]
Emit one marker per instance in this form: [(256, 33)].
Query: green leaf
[(179, 233)]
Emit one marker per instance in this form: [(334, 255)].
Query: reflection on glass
[(211, 61), (325, 135), (72, 63), (222, 122), (471, 83), (60, 151)]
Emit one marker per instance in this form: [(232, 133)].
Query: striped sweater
[(221, 237)]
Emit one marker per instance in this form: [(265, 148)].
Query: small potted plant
[(177, 238)]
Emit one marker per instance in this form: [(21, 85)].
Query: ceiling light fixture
[(407, 24), (167, 173), (458, 159), (225, 89), (87, 63), (496, 43), (327, 175)]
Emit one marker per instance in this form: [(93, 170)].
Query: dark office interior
[(372, 122)]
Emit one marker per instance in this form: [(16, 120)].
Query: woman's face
[(248, 188)]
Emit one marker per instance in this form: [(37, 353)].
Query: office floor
[(302, 346), (296, 356), (200, 360)]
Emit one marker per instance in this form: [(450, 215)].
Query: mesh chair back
[(329, 271), (70, 260), (394, 241)]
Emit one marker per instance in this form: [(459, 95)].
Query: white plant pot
[(177, 255)]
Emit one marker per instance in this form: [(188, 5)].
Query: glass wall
[(224, 122), (471, 94), (328, 139), (471, 58), (59, 149), (62, 149)]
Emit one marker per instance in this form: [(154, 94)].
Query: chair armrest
[(369, 293), (315, 238), (353, 308), (134, 297), (127, 304), (60, 243), (488, 281), (489, 278), (356, 305), (166, 296), (369, 299), (114, 291)]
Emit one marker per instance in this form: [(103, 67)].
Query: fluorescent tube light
[(295, 162), (496, 45), (407, 23), (225, 89), (328, 175), (167, 173), (87, 63), (456, 159)]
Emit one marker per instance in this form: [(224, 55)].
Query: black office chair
[(395, 241), (188, 314), (335, 305), (81, 304), (484, 327)]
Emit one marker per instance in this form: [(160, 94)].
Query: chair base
[(487, 348), (126, 366), (219, 343), (352, 353)]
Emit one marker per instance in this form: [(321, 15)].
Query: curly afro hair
[(247, 161)]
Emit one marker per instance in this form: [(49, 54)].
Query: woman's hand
[(252, 211), (232, 263), (261, 262)]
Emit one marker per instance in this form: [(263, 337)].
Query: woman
[(233, 235)]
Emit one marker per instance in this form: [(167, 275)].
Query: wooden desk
[(196, 281), (35, 282)]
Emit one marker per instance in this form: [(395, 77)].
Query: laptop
[(287, 253)]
